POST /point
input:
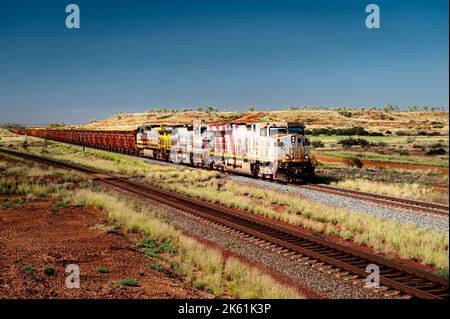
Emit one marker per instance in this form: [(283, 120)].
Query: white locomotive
[(275, 150)]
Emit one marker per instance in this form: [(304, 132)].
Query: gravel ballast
[(321, 282), (399, 215)]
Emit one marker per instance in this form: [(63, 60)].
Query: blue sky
[(134, 55)]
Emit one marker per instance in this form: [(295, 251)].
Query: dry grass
[(412, 191), (25, 177), (13, 186), (22, 177), (122, 164), (384, 236), (201, 265), (247, 283)]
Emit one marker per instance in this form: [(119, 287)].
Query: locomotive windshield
[(291, 130), (297, 130), (277, 130)]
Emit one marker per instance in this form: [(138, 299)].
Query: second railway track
[(404, 278), (418, 206)]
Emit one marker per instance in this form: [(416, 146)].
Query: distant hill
[(11, 125), (374, 120)]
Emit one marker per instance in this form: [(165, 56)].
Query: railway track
[(406, 279), (418, 206)]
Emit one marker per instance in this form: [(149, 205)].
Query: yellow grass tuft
[(203, 266), (248, 283), (412, 191)]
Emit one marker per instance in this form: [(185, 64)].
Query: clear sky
[(134, 55)]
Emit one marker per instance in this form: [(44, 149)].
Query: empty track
[(407, 279), (418, 206)]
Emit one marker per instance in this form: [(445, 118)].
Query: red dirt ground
[(7, 159), (331, 159), (39, 235)]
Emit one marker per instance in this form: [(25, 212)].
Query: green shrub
[(437, 151), (157, 267), (345, 113), (153, 247), (49, 270), (102, 270), (18, 200), (378, 144), (29, 269), (317, 144), (129, 282), (349, 142), (64, 204), (356, 130), (442, 272), (353, 162)]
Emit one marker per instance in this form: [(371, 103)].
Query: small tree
[(211, 109), (317, 144), (250, 108), (56, 125), (119, 115), (389, 108)]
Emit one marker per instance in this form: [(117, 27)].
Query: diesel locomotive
[(274, 150)]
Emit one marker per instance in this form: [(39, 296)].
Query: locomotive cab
[(154, 141), (293, 150)]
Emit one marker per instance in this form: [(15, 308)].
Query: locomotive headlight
[(288, 157), (293, 139), (306, 157)]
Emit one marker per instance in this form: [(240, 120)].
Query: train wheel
[(254, 168)]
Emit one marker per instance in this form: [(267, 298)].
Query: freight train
[(274, 150)]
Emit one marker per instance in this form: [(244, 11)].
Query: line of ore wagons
[(117, 141)]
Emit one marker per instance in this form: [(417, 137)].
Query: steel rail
[(432, 208)]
